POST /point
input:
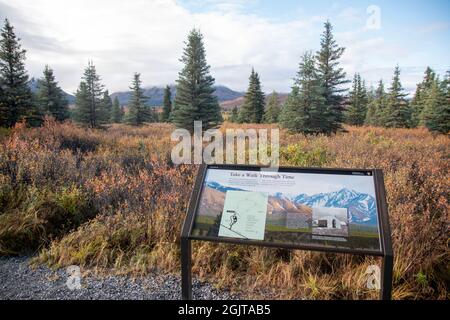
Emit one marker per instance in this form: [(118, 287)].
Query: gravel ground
[(19, 281)]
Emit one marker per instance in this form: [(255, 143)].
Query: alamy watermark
[(74, 280), (238, 146), (373, 278), (373, 21)]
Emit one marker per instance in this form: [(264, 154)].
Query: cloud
[(351, 14), (433, 27), (147, 37)]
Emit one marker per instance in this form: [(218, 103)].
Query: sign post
[(328, 210)]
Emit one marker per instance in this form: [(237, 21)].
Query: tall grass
[(112, 201)]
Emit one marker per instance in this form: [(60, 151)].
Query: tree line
[(319, 102), (93, 104)]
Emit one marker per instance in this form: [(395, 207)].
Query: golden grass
[(112, 201)]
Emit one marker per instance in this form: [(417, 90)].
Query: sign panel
[(330, 209)]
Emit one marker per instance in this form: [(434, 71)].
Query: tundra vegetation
[(112, 201), (106, 196)]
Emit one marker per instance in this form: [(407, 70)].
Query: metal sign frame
[(385, 252)]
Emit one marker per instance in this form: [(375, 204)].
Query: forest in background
[(319, 102)]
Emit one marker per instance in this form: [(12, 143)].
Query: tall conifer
[(167, 105), (332, 78), (252, 110), (50, 98), (195, 99), (397, 113), (16, 99)]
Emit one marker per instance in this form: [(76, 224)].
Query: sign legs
[(386, 277), (186, 261)]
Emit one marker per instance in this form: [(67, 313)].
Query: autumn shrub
[(35, 217), (134, 199)]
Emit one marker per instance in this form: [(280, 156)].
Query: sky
[(303, 183), (147, 36)]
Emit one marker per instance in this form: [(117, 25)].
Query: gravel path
[(19, 281)]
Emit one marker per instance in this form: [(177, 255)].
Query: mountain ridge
[(156, 94), (361, 206)]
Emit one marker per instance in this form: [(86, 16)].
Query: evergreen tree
[(420, 96), (138, 112), (116, 112), (370, 94), (50, 97), (82, 113), (195, 100), (252, 110), (106, 108), (417, 104), (305, 110), (397, 113), (357, 110), (376, 107), (4, 110), (273, 110), (16, 100), (436, 112), (332, 78), (89, 103), (234, 117), (167, 105), (291, 117)]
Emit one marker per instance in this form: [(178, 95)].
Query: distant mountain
[(238, 102), (361, 206), (33, 84), (156, 95)]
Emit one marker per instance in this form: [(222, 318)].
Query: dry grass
[(112, 201)]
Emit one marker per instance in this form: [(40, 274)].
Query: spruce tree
[(167, 105), (436, 112), (89, 105), (291, 117), (376, 107), (357, 110), (417, 104), (332, 78), (252, 110), (106, 108), (420, 96), (82, 113), (117, 111), (16, 100), (50, 97), (4, 110), (305, 110), (234, 117), (273, 110), (397, 113), (138, 112), (195, 100)]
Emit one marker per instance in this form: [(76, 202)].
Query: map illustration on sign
[(244, 215)]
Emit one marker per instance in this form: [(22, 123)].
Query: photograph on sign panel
[(285, 207), (330, 222)]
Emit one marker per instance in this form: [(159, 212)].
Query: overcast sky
[(123, 37)]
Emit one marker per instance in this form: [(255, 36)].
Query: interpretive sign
[(336, 210)]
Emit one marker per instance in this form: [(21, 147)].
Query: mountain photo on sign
[(328, 210)]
